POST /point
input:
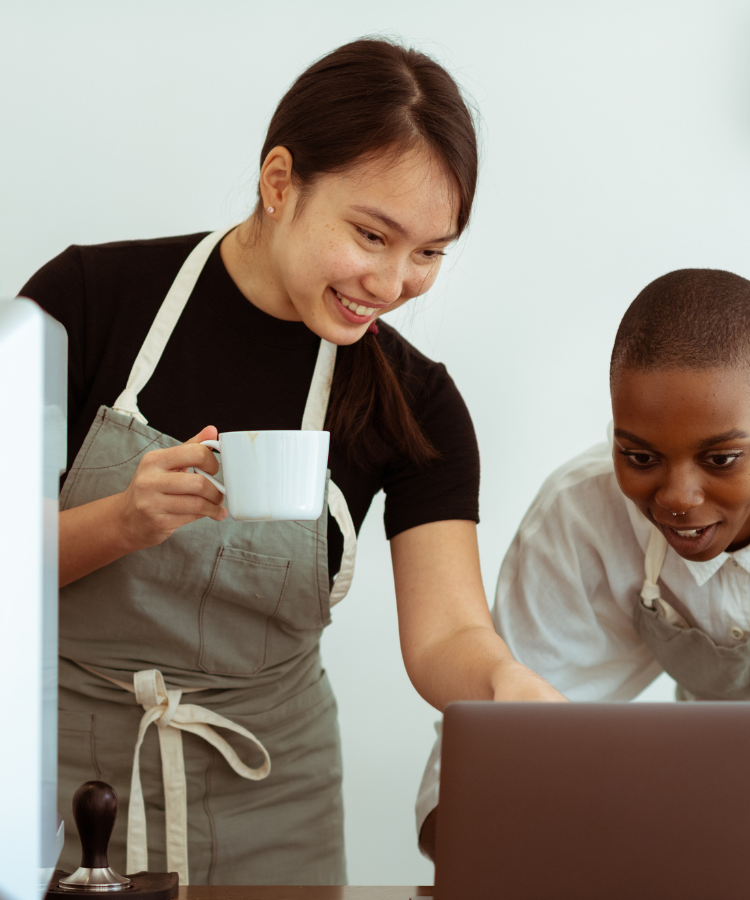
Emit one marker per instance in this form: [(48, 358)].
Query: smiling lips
[(689, 532), (688, 541), (357, 308)]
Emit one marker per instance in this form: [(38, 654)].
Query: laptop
[(579, 801)]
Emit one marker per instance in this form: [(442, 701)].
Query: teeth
[(355, 308), (689, 533)]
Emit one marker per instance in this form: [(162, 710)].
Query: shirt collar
[(702, 571), (742, 558)]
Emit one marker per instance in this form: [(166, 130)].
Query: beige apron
[(230, 613), (702, 669)]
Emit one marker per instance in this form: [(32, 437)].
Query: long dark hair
[(366, 97)]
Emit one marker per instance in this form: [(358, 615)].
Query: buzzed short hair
[(688, 319)]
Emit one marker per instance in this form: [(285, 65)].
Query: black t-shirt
[(231, 365)]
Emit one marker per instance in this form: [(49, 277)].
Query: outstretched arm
[(448, 641)]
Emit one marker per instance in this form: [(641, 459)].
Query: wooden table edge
[(299, 892)]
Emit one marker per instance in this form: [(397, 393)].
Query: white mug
[(272, 475)]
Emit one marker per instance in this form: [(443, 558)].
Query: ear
[(276, 179)]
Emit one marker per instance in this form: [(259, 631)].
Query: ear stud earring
[(271, 209)]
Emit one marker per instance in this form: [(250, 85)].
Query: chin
[(340, 333), (346, 336)]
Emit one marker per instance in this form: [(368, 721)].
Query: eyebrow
[(397, 226), (734, 434), (629, 436)]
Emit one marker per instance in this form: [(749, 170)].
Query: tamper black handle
[(95, 811)]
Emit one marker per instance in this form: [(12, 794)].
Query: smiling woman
[(668, 499), (369, 167), (635, 556), (367, 175), (686, 471), (338, 254), (681, 401)]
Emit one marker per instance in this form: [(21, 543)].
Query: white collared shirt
[(569, 584)]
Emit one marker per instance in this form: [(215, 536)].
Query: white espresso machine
[(33, 402)]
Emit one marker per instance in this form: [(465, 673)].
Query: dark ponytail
[(368, 414), (371, 96)]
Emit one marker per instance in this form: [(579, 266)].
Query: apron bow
[(163, 707)]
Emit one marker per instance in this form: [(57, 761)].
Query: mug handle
[(214, 445)]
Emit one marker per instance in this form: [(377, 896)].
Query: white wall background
[(616, 147)]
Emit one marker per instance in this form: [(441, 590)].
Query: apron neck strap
[(655, 553), (316, 407), (164, 323)]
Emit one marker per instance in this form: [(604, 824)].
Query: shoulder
[(164, 247), (431, 393), (106, 296), (448, 486), (82, 268), (582, 495), (416, 372), (130, 258), (577, 531)]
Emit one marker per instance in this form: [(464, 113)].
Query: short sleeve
[(447, 487), (59, 288)]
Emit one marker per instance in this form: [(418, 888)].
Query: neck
[(247, 257)]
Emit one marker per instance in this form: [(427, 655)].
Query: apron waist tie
[(163, 707)]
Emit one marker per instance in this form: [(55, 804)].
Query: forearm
[(470, 664), (449, 643), (91, 537)]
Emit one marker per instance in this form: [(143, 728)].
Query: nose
[(680, 492), (386, 283)]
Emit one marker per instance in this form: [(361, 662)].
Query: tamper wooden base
[(145, 886)]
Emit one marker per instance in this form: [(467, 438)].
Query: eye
[(722, 460), (433, 254), (639, 459), (369, 236)]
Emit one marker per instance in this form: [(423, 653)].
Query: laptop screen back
[(592, 801)]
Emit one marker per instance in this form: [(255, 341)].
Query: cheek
[(635, 485), (729, 493), (421, 280), (321, 257)]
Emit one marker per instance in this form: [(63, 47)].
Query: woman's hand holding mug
[(164, 495), (269, 475)]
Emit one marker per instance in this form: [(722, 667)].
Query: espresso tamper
[(95, 811)]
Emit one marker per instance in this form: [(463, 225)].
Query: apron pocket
[(245, 593)]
